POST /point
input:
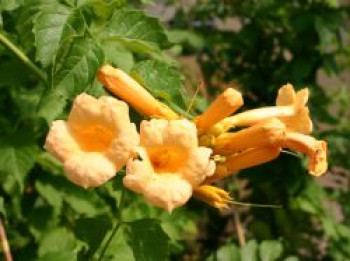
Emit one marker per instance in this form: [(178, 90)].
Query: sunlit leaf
[(161, 80), (75, 68), (52, 26)]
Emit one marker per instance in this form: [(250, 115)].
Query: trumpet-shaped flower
[(171, 163), (316, 150), (125, 87), (95, 142), (246, 159), (290, 108), (224, 105), (265, 133)]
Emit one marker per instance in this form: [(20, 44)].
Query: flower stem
[(21, 56), (116, 227), (5, 244)]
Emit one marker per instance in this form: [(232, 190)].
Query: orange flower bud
[(262, 134), (125, 87), (246, 159), (223, 106)]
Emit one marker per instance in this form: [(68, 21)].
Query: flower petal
[(86, 111), (198, 166), (60, 142), (179, 133), (286, 95), (166, 191), (89, 169)]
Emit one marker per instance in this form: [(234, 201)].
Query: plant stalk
[(22, 57), (4, 243), (116, 227)]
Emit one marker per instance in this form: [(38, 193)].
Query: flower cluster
[(172, 158)]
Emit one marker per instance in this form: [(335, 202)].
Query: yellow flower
[(265, 133), (125, 87), (214, 196), (291, 109), (246, 159), (171, 163), (95, 142), (316, 150), (224, 105)]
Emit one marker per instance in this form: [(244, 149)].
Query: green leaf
[(50, 192), (270, 250), (92, 231), (161, 80), (228, 252), (291, 258), (2, 208), (41, 220), (52, 26), (25, 22), (188, 37), (9, 5), (135, 31), (249, 252), (17, 156), (75, 68), (83, 201), (118, 55), (58, 256), (55, 241), (147, 240), (118, 248)]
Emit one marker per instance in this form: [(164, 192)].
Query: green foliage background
[(51, 51)]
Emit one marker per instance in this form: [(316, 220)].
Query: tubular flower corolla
[(290, 108), (96, 140), (170, 164)]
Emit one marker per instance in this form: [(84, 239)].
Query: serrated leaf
[(75, 68), (92, 231), (25, 22), (161, 80), (52, 26), (249, 252), (270, 250), (118, 55), (136, 31), (17, 156), (147, 240)]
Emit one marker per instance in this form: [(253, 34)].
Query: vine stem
[(239, 227), (4, 243), (116, 227), (21, 56)]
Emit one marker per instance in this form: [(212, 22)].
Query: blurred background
[(255, 46)]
